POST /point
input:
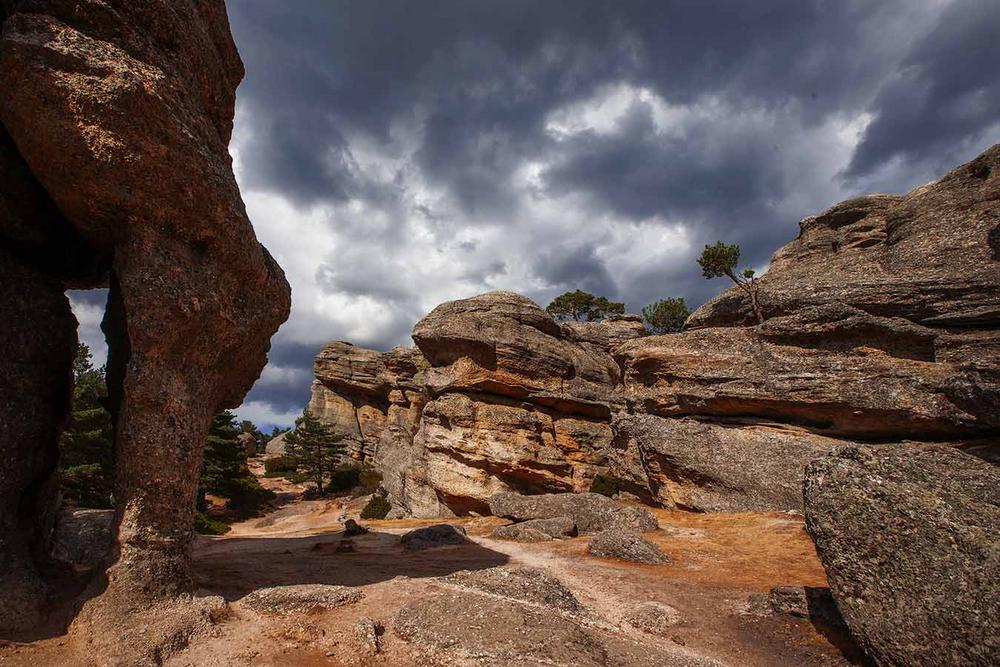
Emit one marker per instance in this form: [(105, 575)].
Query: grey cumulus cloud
[(395, 154)]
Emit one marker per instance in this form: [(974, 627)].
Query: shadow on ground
[(826, 618), (233, 567)]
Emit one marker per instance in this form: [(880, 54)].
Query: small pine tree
[(665, 316), (720, 260), (86, 447), (316, 448), (223, 455), (224, 471), (583, 306)]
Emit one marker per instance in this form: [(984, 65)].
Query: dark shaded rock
[(625, 545), (495, 631), (35, 394), (591, 512), (537, 530), (654, 618), (83, 537), (908, 537), (300, 599), (439, 535), (353, 528), (526, 584), (713, 467)]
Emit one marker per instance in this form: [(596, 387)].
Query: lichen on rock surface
[(910, 539)]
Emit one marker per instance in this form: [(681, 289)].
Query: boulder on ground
[(655, 618), (300, 598), (526, 584), (909, 538), (625, 545), (83, 537), (438, 535), (276, 445), (248, 444), (537, 530), (591, 512), (353, 528)]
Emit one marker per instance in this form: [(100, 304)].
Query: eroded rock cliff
[(883, 326), (119, 117)]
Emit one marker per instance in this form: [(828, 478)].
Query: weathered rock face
[(833, 369), (713, 467), (126, 136), (910, 539), (861, 344), (362, 393), (929, 256)]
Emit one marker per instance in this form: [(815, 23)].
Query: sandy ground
[(717, 562)]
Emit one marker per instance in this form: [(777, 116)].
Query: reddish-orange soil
[(718, 560)]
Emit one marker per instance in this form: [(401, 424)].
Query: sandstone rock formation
[(872, 336), (115, 146), (910, 539), (363, 394)]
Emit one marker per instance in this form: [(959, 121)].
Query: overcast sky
[(395, 154)]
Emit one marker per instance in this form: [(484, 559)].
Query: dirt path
[(717, 562)]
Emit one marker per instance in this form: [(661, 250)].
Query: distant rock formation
[(114, 131), (883, 325)]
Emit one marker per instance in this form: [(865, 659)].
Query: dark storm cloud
[(569, 268), (420, 120), (486, 73), (945, 92)]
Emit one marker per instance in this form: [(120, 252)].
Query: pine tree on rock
[(316, 448), (86, 447)]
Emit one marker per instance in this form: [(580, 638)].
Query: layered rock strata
[(883, 326)]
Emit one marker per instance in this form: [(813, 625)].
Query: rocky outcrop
[(871, 336), (362, 394), (122, 178), (909, 538), (929, 257)]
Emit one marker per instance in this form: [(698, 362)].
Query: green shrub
[(279, 465), (206, 525), (246, 496), (344, 478), (370, 479), (604, 485), (376, 508)]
